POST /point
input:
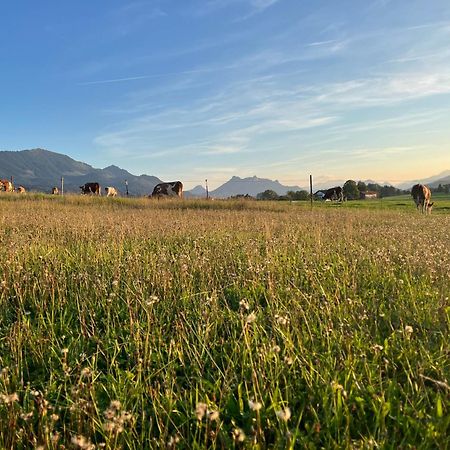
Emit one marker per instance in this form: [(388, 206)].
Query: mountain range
[(433, 182), (40, 170)]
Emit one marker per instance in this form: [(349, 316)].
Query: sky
[(208, 89)]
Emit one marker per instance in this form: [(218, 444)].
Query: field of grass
[(143, 324)]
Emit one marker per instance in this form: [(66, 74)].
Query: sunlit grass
[(131, 323)]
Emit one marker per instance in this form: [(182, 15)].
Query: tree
[(351, 191), (297, 195), (362, 187), (269, 194)]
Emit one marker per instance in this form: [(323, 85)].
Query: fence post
[(207, 192), (311, 190), (62, 185)]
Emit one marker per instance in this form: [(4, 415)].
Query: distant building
[(319, 195), (368, 195)]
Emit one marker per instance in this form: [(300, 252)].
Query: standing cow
[(335, 193), (172, 189), (111, 191), (6, 185), (422, 196), (91, 188)]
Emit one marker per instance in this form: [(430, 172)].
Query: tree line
[(352, 191)]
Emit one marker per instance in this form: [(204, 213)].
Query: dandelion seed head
[(173, 440), (115, 404), (254, 405), (239, 435), (244, 304), (200, 410), (284, 414), (85, 372), (250, 318), (7, 399), (213, 415)]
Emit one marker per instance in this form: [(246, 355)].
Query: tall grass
[(144, 324)]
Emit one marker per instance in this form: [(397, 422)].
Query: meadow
[(132, 323)]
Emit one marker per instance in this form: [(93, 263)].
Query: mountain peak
[(251, 186)]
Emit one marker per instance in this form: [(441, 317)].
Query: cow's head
[(430, 207)]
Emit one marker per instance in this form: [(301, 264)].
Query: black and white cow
[(334, 193), (91, 188), (172, 189)]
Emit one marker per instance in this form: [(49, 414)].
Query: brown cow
[(6, 185), (172, 189), (422, 196), (55, 190), (91, 188), (21, 190)]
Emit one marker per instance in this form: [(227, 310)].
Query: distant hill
[(39, 170), (196, 192), (251, 186), (434, 181)]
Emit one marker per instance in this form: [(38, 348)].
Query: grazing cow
[(173, 189), (110, 191), (55, 190), (91, 188), (335, 193), (21, 190), (422, 196), (6, 185)]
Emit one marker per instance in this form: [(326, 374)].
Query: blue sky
[(213, 88)]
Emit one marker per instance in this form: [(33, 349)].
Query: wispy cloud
[(251, 7), (142, 77)]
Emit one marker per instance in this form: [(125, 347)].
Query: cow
[(110, 191), (172, 189), (21, 190), (6, 185), (334, 193), (422, 196), (55, 190), (91, 188)]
